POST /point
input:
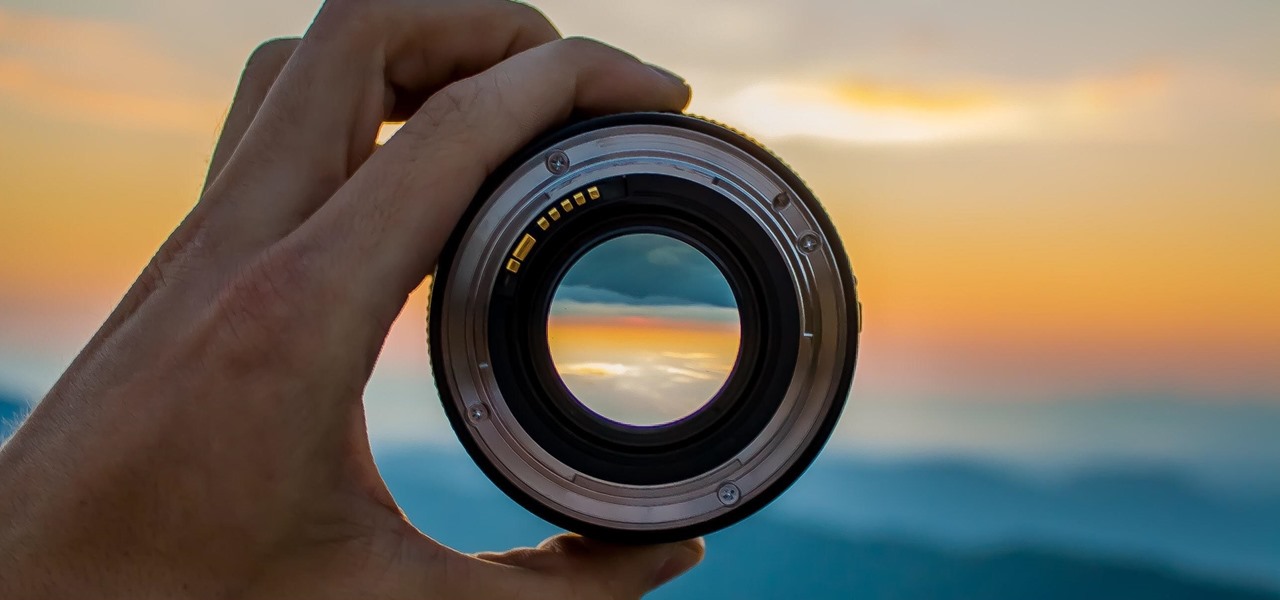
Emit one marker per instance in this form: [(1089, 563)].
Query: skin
[(210, 441)]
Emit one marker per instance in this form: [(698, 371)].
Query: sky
[(1063, 216)]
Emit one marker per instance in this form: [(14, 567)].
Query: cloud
[(1139, 102), (689, 355), (595, 369), (594, 295), (888, 72), (687, 314), (839, 112), (668, 256), (646, 270), (103, 73), (645, 391), (690, 374), (872, 94)]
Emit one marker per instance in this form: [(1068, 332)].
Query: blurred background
[(1064, 218)]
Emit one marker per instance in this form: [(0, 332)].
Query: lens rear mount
[(599, 180)]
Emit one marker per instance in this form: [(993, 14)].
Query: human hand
[(209, 441)]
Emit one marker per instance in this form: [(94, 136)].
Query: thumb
[(593, 569)]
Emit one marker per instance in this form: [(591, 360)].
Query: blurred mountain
[(766, 558), (12, 410), (907, 539), (1153, 514)]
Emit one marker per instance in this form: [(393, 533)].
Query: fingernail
[(683, 557), (668, 74)]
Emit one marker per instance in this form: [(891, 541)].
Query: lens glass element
[(644, 329)]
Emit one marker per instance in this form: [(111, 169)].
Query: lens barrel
[(573, 191)]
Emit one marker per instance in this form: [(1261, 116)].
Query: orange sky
[(1095, 221), (643, 370)]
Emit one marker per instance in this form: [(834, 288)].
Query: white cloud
[(783, 110), (595, 369), (689, 355), (649, 389), (1149, 102)]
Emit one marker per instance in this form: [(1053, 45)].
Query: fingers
[(383, 231), (583, 568), (260, 73), (361, 61), (483, 49)]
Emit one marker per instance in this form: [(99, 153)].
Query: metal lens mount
[(700, 183)]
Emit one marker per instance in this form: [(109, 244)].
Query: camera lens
[(644, 328)]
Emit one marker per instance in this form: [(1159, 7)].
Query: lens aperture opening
[(644, 330)]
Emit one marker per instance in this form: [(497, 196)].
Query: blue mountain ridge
[(931, 529), (1153, 515), (800, 549), (769, 558)]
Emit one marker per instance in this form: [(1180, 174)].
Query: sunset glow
[(1044, 203)]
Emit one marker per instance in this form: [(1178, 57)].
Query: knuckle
[(160, 273), (172, 264), (275, 51), (453, 104), (582, 47), (533, 19), (342, 18), (348, 7), (452, 121)]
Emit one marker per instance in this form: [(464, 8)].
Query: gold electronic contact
[(525, 245), (523, 248)]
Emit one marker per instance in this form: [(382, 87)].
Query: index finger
[(359, 63), (382, 232)]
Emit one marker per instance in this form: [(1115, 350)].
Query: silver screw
[(477, 413), (781, 201), (809, 242), (729, 494), (557, 162)]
